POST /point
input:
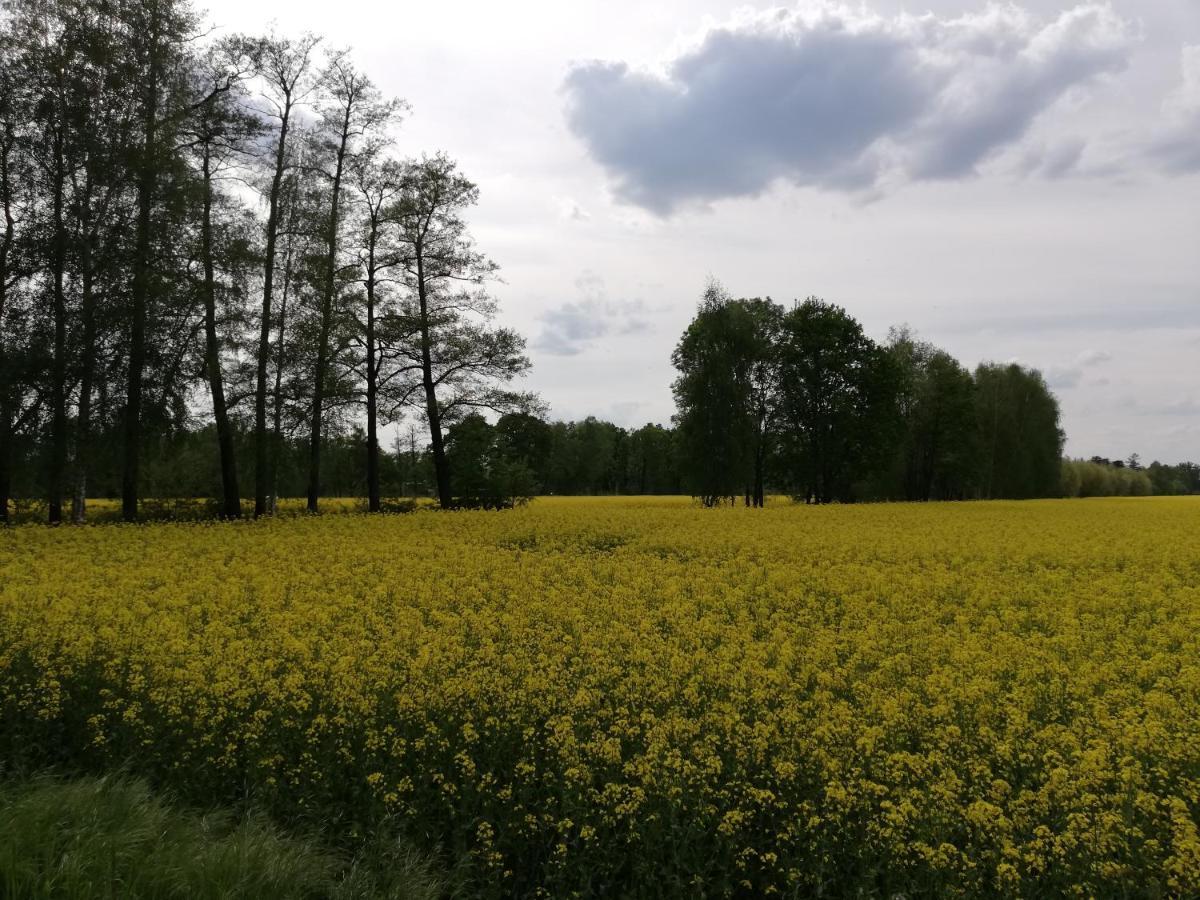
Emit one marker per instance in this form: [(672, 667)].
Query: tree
[(937, 457), (285, 67), (462, 361), (158, 32), (103, 137), (14, 112), (1019, 432), (837, 402), (43, 55), (652, 463), (528, 440), (221, 136), (378, 183), (485, 474), (354, 110), (725, 395)]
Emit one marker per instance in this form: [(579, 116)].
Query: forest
[(219, 281)]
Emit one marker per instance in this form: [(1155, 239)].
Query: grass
[(113, 837)]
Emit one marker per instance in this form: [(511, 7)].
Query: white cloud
[(1092, 358), (1175, 144), (1060, 377), (570, 328)]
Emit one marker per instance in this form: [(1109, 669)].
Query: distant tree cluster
[(1182, 478), (802, 399), (1098, 477), (213, 235), (1103, 477), (523, 455)]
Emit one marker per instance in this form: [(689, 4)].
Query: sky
[(1015, 182)]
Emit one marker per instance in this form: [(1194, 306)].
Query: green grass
[(112, 837)]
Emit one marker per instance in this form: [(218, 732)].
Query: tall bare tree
[(286, 67), (353, 110), (221, 133), (463, 360), (378, 182)]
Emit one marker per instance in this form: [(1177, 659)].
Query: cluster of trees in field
[(201, 231), (799, 398)]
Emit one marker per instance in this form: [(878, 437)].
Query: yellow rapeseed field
[(645, 698)]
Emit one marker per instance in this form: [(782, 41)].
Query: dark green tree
[(938, 455), (484, 472), (837, 402), (725, 396), (1020, 437)]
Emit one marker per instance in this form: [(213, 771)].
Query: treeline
[(1102, 477), (799, 399), (212, 236), (493, 464)]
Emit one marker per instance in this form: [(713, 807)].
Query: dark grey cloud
[(836, 98), (572, 327)]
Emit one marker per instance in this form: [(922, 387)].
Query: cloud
[(1152, 315), (1092, 358), (1182, 407), (571, 328), (1063, 376), (838, 98), (569, 209), (1175, 145), (1053, 160)]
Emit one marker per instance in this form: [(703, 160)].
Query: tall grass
[(112, 837)]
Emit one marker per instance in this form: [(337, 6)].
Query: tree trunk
[(147, 183), (372, 386), (58, 384), (6, 422), (441, 466), (6, 411), (314, 447), (83, 423), (231, 504), (759, 460), (277, 393), (262, 476)]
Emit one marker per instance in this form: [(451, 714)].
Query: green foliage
[(1183, 478), (112, 837), (837, 401), (937, 455), (1085, 478), (484, 469), (726, 363), (1020, 438)]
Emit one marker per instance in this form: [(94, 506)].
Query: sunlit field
[(624, 697)]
